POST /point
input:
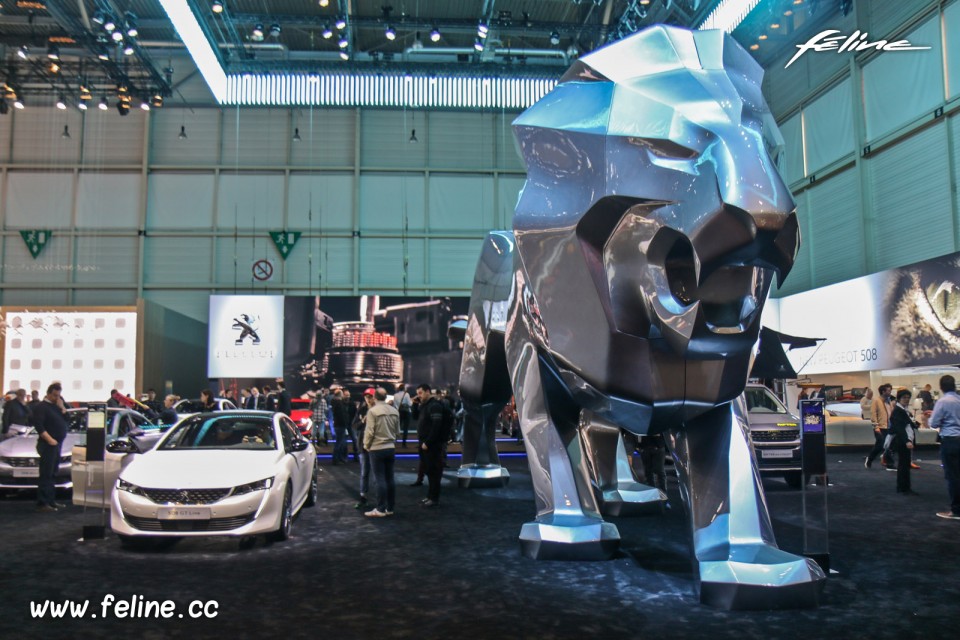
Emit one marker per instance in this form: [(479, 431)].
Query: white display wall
[(88, 352)]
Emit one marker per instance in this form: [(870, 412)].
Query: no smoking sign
[(262, 270)]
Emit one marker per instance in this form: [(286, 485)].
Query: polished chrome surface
[(645, 241)]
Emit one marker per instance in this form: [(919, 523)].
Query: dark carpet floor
[(456, 571)]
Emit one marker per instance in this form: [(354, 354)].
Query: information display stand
[(813, 451), (96, 478)]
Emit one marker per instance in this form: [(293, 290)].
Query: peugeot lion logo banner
[(246, 337)]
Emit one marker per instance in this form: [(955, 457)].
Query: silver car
[(20, 462), (775, 433)]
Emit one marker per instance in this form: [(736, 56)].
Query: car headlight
[(250, 487), (123, 485)]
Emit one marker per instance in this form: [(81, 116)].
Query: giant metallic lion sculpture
[(628, 296)]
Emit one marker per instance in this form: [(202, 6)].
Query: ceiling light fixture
[(413, 137), (128, 50), (144, 105), (66, 132), (754, 46), (390, 33), (157, 101), (61, 102), (109, 25), (762, 36), (478, 44), (102, 54), (343, 42), (257, 34), (435, 35), (327, 32), (131, 23), (216, 6), (324, 3), (103, 104), (341, 23), (117, 36), (18, 103), (82, 104), (183, 132), (344, 55), (775, 25), (554, 38), (54, 66), (275, 30), (98, 17), (23, 52), (296, 134), (482, 29), (53, 52)]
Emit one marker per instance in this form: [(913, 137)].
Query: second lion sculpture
[(628, 296)]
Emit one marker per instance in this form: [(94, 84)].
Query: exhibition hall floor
[(456, 571)]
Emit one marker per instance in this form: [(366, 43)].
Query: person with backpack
[(433, 431)]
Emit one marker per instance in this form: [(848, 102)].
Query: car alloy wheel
[(314, 488), (286, 517)]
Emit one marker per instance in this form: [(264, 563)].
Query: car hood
[(26, 446), (160, 469)]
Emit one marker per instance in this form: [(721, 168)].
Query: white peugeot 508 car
[(234, 473)]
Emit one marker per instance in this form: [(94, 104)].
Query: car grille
[(213, 524), (788, 435), (22, 462), (186, 496)]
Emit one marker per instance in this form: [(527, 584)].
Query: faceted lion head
[(653, 216)]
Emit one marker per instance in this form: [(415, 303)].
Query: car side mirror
[(299, 445), (122, 446)]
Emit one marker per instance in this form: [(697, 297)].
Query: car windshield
[(226, 432), (760, 400)]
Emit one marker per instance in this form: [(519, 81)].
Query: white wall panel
[(180, 200), (461, 140), (899, 86), (381, 262), (53, 265), (202, 144), (169, 260), (193, 304), (112, 139), (453, 262), (461, 202), (105, 297), (509, 187), (37, 136), (836, 229), (35, 297), (508, 157), (6, 130), (39, 200), (107, 260), (335, 257), (326, 137), (910, 184), (250, 201), (387, 199), (385, 139), (792, 131), (246, 251), (328, 196), (108, 201), (951, 30), (828, 123), (255, 137)]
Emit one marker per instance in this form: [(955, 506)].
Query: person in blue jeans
[(946, 419), (380, 439), (362, 453), (341, 420)]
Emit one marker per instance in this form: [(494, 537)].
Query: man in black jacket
[(16, 411), (49, 418), (433, 431), (341, 422), (283, 399)]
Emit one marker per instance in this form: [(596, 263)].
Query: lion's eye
[(663, 148)]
